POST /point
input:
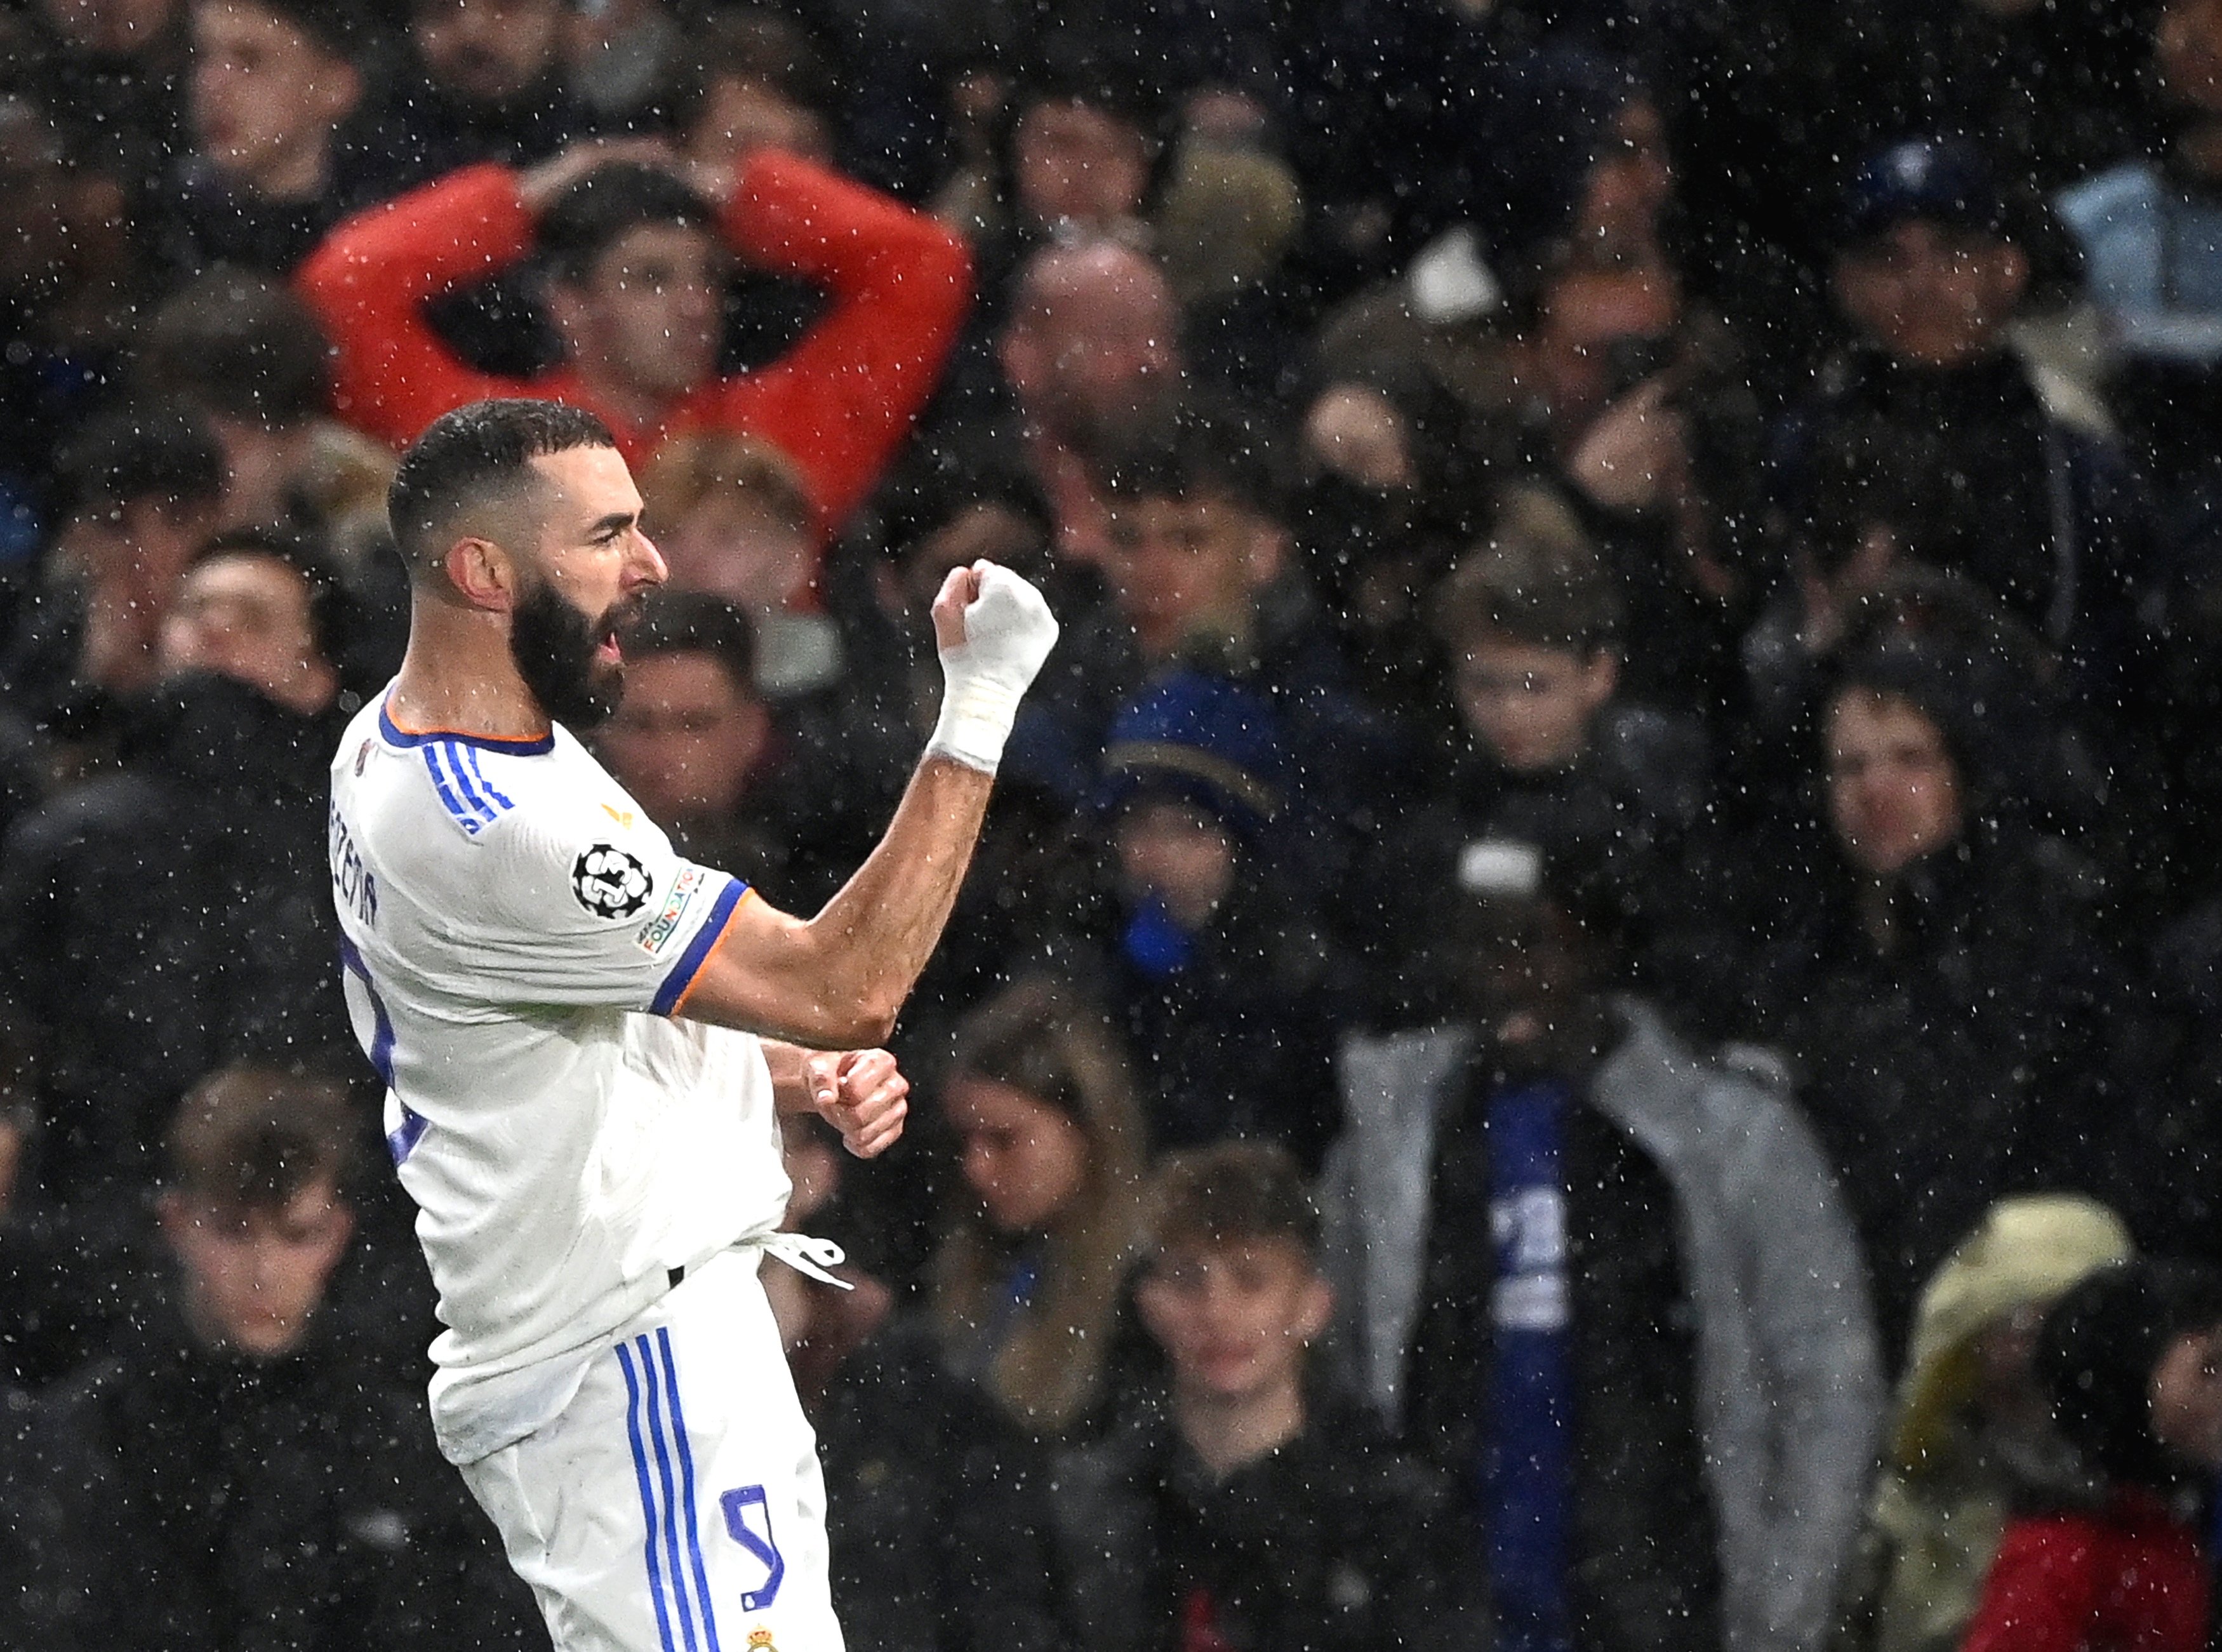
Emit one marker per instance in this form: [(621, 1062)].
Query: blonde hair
[(689, 468), (1048, 1368)]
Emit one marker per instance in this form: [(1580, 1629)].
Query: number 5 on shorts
[(737, 1504)]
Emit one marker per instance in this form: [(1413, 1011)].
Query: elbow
[(873, 1025)]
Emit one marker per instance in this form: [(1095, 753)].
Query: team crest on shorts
[(760, 1641), (609, 882)]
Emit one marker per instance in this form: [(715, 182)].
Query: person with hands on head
[(636, 242), (586, 1041)]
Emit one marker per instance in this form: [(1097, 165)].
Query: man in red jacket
[(637, 245)]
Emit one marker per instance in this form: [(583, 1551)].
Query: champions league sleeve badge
[(609, 882)]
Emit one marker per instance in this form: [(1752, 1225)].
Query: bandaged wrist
[(975, 721)]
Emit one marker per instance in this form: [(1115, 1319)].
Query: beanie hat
[(2097, 1352), (1204, 740)]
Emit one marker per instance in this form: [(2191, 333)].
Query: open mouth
[(609, 651)]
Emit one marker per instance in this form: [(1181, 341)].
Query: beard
[(555, 649)]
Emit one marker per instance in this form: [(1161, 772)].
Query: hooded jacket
[(1774, 1406)]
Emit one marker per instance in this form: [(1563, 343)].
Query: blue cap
[(1946, 179), (1204, 739)]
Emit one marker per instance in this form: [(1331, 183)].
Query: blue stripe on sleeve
[(686, 1485), (463, 817), (647, 1495), (690, 961), (450, 755), (471, 755)]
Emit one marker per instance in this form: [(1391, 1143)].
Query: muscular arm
[(839, 979)]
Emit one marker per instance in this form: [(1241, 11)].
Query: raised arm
[(839, 979), (842, 399), (370, 279)]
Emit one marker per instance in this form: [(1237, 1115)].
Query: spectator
[(759, 82), (1547, 751), (1930, 273), (1220, 974), (1027, 1280), (215, 817), (73, 274), (1937, 977), (934, 1508), (696, 745), (734, 520), (1607, 1282), (1200, 579), (1248, 1513), (115, 73), (232, 1474), (249, 359), (2130, 1358), (481, 81), (1971, 1438), (1090, 354), (2151, 230), (275, 85), (147, 486), (636, 255)]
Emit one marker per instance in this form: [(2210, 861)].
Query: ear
[(1269, 552), (1600, 677), (338, 1230), (571, 309), (483, 575), (340, 87), (1315, 1310)]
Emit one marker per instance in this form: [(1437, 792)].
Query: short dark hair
[(333, 613), (249, 1138), (607, 204), (1233, 1193), (1207, 447), (695, 622), (479, 450), (1536, 578), (241, 346), (149, 452)]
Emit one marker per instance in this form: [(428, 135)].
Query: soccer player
[(586, 1039)]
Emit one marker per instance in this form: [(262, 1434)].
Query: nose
[(645, 567)]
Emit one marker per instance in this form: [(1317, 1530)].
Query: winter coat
[(1952, 1474), (159, 921), (2131, 1578), (1725, 1356), (1332, 1543), (2054, 524), (1970, 1059), (206, 1503)]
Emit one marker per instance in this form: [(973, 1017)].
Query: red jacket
[(2132, 1579), (838, 403)]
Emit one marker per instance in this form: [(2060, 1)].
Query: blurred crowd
[(1590, 1016)]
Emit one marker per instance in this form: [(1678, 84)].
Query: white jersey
[(516, 935)]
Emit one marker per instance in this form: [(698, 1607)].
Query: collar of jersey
[(396, 735)]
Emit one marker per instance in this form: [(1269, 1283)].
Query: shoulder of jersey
[(476, 782)]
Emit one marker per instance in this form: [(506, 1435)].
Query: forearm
[(877, 933)]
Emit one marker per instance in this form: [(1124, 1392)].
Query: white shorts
[(675, 1504)]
